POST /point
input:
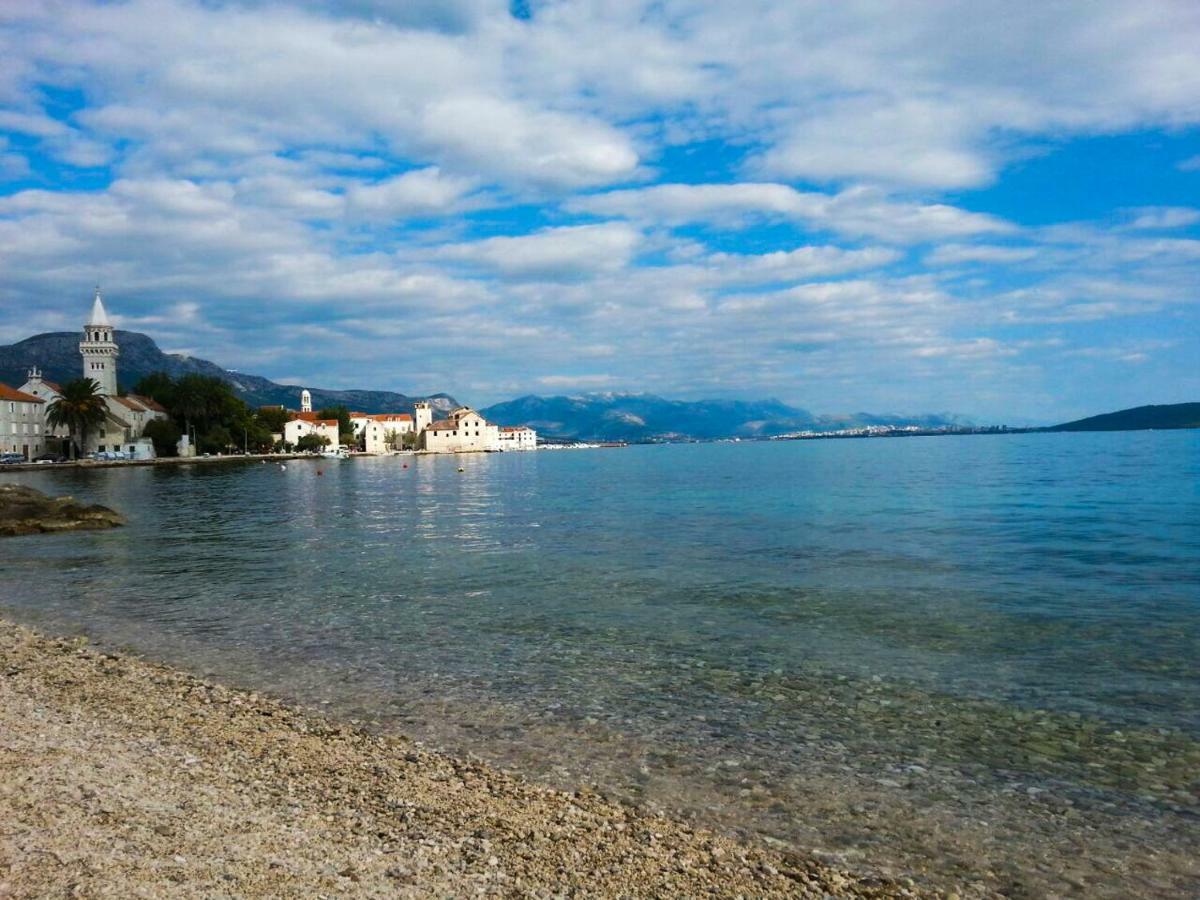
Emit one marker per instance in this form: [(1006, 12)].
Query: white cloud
[(576, 382), (36, 124), (420, 192), (911, 94), (567, 252), (544, 147), (957, 254), (12, 165), (1164, 217), (245, 155), (855, 211), (799, 264), (222, 81), (907, 142)]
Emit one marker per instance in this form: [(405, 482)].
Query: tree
[(273, 418), (207, 407), (258, 437), (80, 408), (188, 402), (216, 440), (165, 435), (312, 442), (159, 387), (345, 426)]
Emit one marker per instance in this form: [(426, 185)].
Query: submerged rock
[(26, 511)]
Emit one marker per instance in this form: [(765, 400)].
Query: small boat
[(335, 454)]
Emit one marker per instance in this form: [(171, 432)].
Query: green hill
[(57, 355), (1140, 418)]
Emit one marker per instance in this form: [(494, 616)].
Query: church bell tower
[(99, 350)]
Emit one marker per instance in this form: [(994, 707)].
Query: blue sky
[(985, 208)]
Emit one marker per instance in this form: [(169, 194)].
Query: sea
[(972, 661)]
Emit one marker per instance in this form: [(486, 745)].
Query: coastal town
[(44, 421)]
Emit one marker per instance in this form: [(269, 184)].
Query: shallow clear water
[(788, 638)]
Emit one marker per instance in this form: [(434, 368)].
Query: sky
[(986, 208)]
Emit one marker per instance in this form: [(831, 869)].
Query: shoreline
[(157, 461), (125, 775)]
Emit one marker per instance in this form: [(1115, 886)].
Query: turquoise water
[(788, 639)]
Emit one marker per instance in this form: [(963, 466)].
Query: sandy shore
[(120, 777)]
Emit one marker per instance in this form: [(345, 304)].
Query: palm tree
[(79, 408)]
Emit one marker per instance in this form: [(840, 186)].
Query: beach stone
[(24, 510)]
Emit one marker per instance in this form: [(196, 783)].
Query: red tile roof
[(391, 417), (443, 425), (149, 403), (8, 393), (129, 404)]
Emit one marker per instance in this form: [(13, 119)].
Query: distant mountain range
[(1139, 418), (639, 417), (57, 355), (592, 417), (642, 417)]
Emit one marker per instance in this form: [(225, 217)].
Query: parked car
[(50, 458), (11, 459)]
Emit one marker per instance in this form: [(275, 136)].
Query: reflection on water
[(953, 656)]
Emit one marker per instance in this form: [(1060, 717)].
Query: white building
[(123, 428), (48, 391), (305, 423), (22, 423), (517, 437), (99, 350), (466, 431), (423, 416), (381, 432)]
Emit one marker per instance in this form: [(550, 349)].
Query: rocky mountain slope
[(57, 355)]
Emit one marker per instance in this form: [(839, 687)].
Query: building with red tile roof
[(22, 423)]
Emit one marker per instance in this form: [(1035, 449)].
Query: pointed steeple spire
[(98, 316)]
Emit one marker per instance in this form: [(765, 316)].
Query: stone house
[(466, 431), (22, 423)]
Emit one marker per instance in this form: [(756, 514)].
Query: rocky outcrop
[(26, 511)]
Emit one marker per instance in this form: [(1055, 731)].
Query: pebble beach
[(121, 777)]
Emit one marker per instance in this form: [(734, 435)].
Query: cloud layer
[(824, 203)]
